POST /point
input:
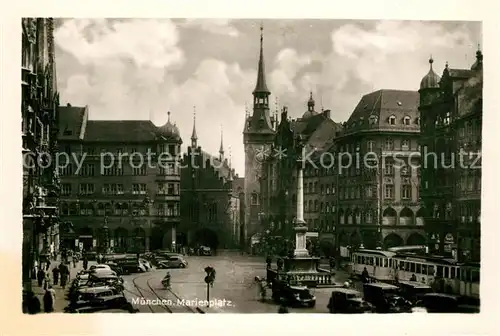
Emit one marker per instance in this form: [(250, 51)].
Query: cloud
[(214, 26), (368, 57), (119, 79), (150, 43)]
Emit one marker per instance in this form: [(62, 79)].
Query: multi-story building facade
[(258, 136), (378, 176), (317, 132), (211, 198), (39, 128), (120, 187), (451, 111)]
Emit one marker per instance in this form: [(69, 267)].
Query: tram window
[(439, 272), (377, 263), (452, 274), (385, 263), (401, 265), (370, 261), (362, 260), (412, 267), (419, 268), (446, 272), (424, 269), (407, 266), (430, 270)]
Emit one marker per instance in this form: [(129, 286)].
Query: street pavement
[(234, 290)]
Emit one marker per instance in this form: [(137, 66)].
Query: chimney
[(68, 105), (326, 113)]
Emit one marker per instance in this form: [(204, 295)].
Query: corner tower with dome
[(451, 122), (258, 135), (129, 207)]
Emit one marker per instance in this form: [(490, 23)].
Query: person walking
[(33, 303), (55, 275), (64, 273), (85, 262), (40, 276), (48, 300)]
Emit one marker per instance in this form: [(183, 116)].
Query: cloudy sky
[(141, 69)]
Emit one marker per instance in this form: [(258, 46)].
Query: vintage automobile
[(205, 251), (348, 301), (385, 298), (98, 297), (99, 266), (446, 303), (146, 264), (413, 290), (290, 295), (94, 280), (172, 262), (115, 267)]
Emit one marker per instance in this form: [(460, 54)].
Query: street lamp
[(105, 235)]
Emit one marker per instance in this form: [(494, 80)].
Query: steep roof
[(375, 110), (470, 94), (221, 167), (120, 130), (71, 121)]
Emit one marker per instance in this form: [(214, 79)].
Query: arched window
[(392, 120), (406, 121), (254, 199)]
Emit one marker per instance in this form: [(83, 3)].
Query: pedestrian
[(85, 262), (75, 260), (47, 265), (55, 275), (33, 303), (40, 276), (331, 304), (64, 273), (48, 300)]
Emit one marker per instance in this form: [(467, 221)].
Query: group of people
[(46, 278)]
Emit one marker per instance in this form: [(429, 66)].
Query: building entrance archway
[(206, 237)]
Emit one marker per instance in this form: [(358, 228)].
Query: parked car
[(147, 265), (446, 303), (205, 251), (413, 291), (385, 298), (292, 295), (100, 266), (348, 301)]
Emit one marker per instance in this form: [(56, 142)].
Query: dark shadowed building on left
[(121, 187), (38, 128)]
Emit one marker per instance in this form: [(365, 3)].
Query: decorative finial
[(168, 116), (479, 47), (446, 65), (261, 31), (310, 95)]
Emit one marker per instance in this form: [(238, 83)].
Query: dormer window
[(392, 120), (373, 119), (406, 121)]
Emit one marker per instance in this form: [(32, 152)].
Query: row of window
[(125, 153), (118, 209), (89, 169), (392, 120), (118, 189), (371, 146)]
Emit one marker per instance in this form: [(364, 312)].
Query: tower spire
[(221, 149), (194, 136), (261, 86)]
